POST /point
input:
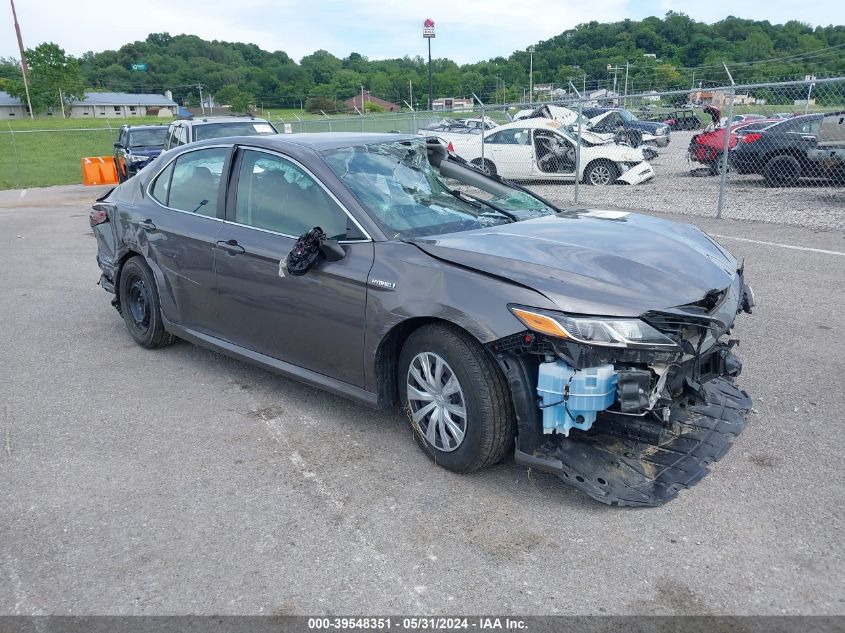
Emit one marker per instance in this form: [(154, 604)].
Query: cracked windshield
[(408, 198)]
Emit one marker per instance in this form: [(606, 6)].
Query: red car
[(707, 146)]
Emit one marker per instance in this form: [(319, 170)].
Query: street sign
[(139, 67), (428, 28)]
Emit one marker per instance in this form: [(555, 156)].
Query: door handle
[(231, 246), (147, 225)]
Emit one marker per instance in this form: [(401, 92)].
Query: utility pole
[(362, 100), (531, 73), (411, 94), (625, 100), (202, 105), (24, 68)]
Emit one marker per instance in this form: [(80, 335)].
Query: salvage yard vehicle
[(542, 149), (708, 147), (828, 153), (189, 130), (593, 344), (779, 152), (608, 120), (684, 119), (137, 145)]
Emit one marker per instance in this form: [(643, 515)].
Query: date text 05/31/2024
[(416, 624)]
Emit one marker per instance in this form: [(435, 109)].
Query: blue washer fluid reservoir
[(590, 390)]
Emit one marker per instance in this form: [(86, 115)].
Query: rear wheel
[(457, 399), (140, 305), (782, 171), (601, 172), (485, 165), (716, 166)]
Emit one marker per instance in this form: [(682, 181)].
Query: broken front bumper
[(637, 174), (610, 465)]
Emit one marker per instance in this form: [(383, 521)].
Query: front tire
[(601, 172), (457, 399), (140, 305)]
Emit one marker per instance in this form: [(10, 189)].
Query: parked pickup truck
[(829, 150)]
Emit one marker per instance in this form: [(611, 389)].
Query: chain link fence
[(735, 151)]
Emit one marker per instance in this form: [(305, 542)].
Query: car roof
[(317, 141), (145, 127), (225, 119)]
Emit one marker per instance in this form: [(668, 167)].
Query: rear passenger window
[(276, 195), (195, 182), (161, 186)]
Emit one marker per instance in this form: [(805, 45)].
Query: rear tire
[(782, 171), (486, 165), (140, 305), (456, 398)]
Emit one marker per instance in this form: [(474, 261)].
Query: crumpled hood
[(596, 262)]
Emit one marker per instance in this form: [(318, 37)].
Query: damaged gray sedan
[(591, 344)]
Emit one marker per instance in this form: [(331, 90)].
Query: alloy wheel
[(600, 175), (436, 399)]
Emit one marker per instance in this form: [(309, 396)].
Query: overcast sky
[(467, 30)]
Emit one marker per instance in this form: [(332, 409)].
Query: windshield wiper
[(478, 202)]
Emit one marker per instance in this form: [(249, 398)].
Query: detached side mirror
[(332, 250)]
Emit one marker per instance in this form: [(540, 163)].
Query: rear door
[(512, 152), (316, 320), (180, 230)]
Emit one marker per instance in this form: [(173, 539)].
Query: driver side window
[(276, 195)]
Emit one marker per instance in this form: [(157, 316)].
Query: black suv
[(184, 131), (779, 152), (136, 146)]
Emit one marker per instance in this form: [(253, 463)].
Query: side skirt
[(337, 387)]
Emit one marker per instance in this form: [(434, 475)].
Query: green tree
[(55, 78), (239, 100)]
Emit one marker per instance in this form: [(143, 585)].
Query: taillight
[(751, 137), (450, 148), (98, 216)]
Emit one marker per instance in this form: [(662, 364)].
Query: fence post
[(17, 159), (724, 157)]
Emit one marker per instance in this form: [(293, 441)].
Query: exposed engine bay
[(628, 426)]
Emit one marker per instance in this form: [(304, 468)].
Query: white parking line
[(778, 244)]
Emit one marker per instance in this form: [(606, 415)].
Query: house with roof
[(121, 105), (357, 102), (11, 107)]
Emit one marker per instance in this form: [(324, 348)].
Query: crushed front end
[(629, 411)]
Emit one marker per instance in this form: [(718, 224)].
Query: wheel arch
[(390, 346)]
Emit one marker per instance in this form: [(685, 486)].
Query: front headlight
[(132, 158), (660, 131), (605, 331)]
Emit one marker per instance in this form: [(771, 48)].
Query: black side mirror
[(311, 248), (118, 146), (332, 250)]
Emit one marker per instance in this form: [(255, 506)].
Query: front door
[(316, 320)]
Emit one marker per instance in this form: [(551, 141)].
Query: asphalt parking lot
[(178, 481)]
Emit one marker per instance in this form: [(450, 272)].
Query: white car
[(542, 149)]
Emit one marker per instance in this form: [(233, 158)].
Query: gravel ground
[(179, 481), (689, 189)]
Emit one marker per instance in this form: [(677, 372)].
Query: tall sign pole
[(24, 69), (428, 33)]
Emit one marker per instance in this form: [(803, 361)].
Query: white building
[(455, 104), (121, 105), (11, 107)]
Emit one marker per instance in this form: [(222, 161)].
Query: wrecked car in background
[(543, 149), (591, 344), (136, 146)]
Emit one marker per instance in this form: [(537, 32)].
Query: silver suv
[(184, 131)]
